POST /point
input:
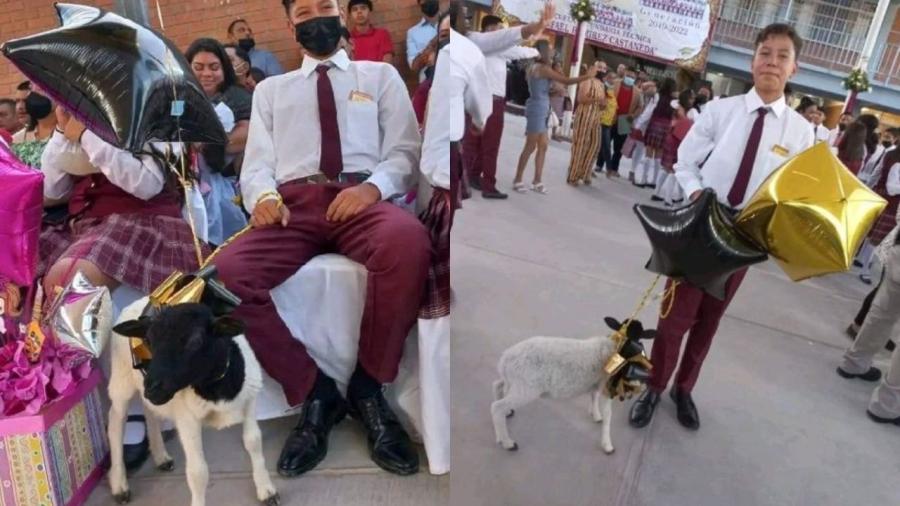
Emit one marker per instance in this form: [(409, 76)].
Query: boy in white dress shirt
[(738, 142), (329, 143)]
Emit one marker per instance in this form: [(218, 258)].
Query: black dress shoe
[(643, 408), (307, 444), (879, 419), (873, 374), (889, 346), (656, 198), (687, 411), (475, 184), (494, 194), (135, 455), (389, 444)]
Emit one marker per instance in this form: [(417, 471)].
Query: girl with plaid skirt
[(125, 223)]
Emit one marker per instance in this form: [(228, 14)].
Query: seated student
[(328, 144), (213, 69), (218, 166), (125, 219), (28, 144), (124, 225)]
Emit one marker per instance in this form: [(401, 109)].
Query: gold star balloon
[(811, 214)]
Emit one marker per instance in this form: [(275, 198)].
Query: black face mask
[(38, 106), (319, 36), (247, 44), (601, 75), (887, 144), (430, 8), (841, 127)]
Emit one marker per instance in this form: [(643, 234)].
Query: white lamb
[(559, 368)]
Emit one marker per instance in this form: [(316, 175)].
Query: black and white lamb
[(560, 368), (202, 373)]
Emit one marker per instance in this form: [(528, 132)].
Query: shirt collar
[(754, 102), (310, 62), (425, 22)]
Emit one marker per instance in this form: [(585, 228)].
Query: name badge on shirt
[(359, 96), (780, 150)]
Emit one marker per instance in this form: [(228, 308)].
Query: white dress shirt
[(821, 133), (468, 86), (721, 134), (644, 118), (435, 164), (870, 172), (377, 124), (893, 180), (140, 176), (500, 47)]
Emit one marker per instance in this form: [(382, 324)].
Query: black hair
[(489, 21), (664, 106), (686, 100), (23, 86), (872, 137), (779, 29), (234, 23), (213, 46), (239, 51), (805, 104), (257, 74), (352, 3)]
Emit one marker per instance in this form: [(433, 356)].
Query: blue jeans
[(605, 154)]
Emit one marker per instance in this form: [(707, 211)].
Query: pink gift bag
[(21, 208)]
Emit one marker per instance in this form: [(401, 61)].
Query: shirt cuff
[(690, 185), (384, 184)]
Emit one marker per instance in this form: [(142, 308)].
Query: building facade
[(187, 20)]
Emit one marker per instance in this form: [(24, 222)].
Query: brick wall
[(187, 20)]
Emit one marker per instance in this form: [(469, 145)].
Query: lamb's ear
[(227, 327), (133, 328), (649, 334), (612, 323)]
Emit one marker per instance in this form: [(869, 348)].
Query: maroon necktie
[(331, 163), (739, 188)]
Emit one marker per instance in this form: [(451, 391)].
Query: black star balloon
[(125, 82), (697, 243)]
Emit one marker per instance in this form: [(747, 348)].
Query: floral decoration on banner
[(857, 81), (583, 11)]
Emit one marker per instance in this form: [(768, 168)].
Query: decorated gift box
[(58, 456)]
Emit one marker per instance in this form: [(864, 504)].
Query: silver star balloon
[(81, 316)]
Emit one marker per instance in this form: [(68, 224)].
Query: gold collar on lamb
[(168, 294)]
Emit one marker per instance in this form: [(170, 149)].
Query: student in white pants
[(884, 406), (645, 171)]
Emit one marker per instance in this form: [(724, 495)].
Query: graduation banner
[(675, 32)]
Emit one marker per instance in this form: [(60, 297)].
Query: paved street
[(779, 427)]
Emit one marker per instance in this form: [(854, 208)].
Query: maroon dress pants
[(694, 311), (392, 245), (480, 151)]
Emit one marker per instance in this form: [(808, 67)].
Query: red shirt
[(372, 45)]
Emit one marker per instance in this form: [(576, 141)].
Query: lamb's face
[(188, 345)]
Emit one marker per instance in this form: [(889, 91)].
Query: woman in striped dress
[(586, 131)]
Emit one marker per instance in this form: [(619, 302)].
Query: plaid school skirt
[(657, 132), (438, 219), (137, 250), (886, 222)]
